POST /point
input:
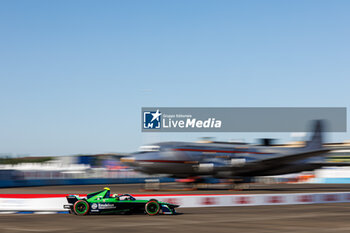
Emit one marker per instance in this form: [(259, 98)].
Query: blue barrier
[(51, 182), (333, 180)]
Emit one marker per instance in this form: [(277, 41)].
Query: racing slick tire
[(152, 207), (81, 207)]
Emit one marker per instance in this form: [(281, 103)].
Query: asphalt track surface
[(291, 218), (173, 189)]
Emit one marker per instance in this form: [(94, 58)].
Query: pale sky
[(75, 74)]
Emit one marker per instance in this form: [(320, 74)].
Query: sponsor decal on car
[(105, 206)]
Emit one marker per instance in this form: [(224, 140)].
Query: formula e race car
[(102, 202)]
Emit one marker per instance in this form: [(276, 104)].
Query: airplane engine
[(238, 162), (204, 167)]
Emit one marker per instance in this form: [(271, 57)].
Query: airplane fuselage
[(219, 160)]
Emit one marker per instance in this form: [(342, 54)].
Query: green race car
[(102, 202)]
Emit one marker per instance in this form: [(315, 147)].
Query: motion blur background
[(75, 74)]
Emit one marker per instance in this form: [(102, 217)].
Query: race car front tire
[(152, 207), (81, 207)]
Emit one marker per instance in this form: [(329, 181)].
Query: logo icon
[(94, 206), (152, 120)]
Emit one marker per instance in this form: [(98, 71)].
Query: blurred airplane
[(183, 159)]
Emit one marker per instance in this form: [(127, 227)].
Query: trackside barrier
[(54, 203), (49, 182)]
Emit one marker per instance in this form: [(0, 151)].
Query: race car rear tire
[(81, 207), (152, 207)]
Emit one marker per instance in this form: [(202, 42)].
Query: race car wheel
[(81, 207), (152, 207)]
